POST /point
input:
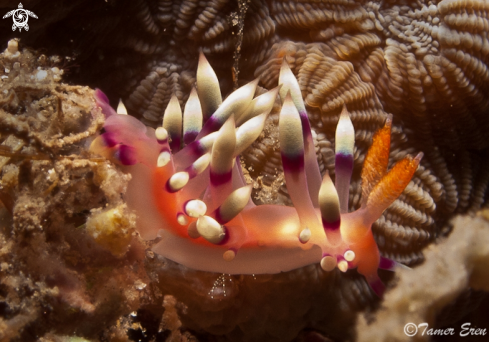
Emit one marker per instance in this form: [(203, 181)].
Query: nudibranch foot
[(188, 187)]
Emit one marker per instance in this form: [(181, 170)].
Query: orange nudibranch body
[(191, 192)]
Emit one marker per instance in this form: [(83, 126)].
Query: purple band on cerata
[(220, 178), (331, 226), (210, 126), (175, 144), (189, 136), (306, 126), (343, 161), (293, 162)]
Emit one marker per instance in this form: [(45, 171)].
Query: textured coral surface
[(57, 276)]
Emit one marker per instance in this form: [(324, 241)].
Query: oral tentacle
[(103, 102), (376, 160), (391, 186)]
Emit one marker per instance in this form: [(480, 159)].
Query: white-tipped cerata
[(195, 208), (121, 109), (207, 87), (289, 84), (172, 122), (345, 143), (305, 235), (329, 205), (163, 159), (233, 205), (235, 104), (343, 266), (290, 128), (248, 132), (199, 165), (262, 104), (328, 263), (178, 181), (161, 135), (349, 255), (223, 148), (192, 117), (210, 229)]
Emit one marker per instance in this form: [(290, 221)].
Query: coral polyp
[(188, 187)]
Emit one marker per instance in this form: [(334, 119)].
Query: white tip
[(163, 159), (305, 235), (349, 255), (195, 208), (182, 220), (290, 128), (210, 229), (345, 134), (178, 180), (328, 263), (343, 265), (201, 164), (248, 132), (121, 109), (161, 134)]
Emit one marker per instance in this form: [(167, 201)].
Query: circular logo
[(410, 329), (20, 17)]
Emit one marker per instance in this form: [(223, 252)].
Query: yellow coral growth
[(112, 229)]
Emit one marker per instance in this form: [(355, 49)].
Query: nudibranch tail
[(188, 187)]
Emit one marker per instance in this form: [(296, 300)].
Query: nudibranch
[(188, 187)]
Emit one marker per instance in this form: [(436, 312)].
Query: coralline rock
[(58, 274)]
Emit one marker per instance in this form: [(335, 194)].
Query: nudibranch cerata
[(188, 187)]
